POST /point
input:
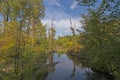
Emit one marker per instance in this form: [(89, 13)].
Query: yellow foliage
[(7, 43), (36, 49)]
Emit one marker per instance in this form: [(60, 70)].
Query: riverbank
[(108, 75)]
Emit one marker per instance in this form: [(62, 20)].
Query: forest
[(26, 45)]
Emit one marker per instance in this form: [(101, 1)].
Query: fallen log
[(52, 64)]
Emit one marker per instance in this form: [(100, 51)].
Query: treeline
[(68, 44)]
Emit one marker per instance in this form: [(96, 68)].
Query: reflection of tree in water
[(76, 62), (73, 71), (95, 75), (50, 61), (33, 69), (51, 66)]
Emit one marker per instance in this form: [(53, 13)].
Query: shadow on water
[(98, 76), (67, 67), (91, 74)]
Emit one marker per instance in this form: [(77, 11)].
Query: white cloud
[(54, 3), (62, 26), (61, 17), (74, 5), (55, 10), (59, 14), (57, 3)]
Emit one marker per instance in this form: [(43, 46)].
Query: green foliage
[(22, 39), (68, 44), (101, 36), (87, 2)]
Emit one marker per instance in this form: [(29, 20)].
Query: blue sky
[(58, 9), (61, 11)]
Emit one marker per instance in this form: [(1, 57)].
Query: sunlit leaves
[(20, 32)]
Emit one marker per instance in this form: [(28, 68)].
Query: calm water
[(66, 69)]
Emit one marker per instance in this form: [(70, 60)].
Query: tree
[(100, 37), (22, 29), (51, 36), (72, 27)]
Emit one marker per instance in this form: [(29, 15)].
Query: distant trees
[(68, 44)]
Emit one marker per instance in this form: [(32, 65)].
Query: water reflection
[(60, 67), (50, 61), (98, 76), (91, 74), (66, 69)]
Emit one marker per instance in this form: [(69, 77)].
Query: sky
[(61, 11)]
